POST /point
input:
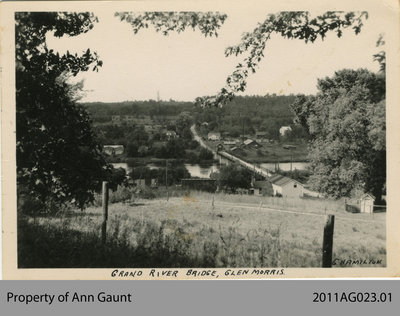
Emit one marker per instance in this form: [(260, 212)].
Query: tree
[(346, 122), (182, 125), (234, 176), (58, 158)]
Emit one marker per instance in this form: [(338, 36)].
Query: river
[(195, 170), (285, 166)]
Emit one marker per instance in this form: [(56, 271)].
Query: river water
[(285, 166), (204, 171), (195, 170)]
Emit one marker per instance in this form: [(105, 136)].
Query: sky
[(187, 65)]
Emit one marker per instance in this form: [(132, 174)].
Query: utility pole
[(166, 178), (291, 160), (166, 174)]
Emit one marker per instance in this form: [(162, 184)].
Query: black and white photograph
[(239, 138)]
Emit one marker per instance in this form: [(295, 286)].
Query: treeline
[(101, 112), (139, 143), (250, 114)]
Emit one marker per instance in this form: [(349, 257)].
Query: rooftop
[(281, 180)]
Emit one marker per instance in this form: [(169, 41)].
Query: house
[(170, 134), (261, 135), (148, 128), (261, 188), (284, 129), (204, 124), (286, 187), (113, 150), (214, 136), (116, 119), (251, 143), (367, 203)]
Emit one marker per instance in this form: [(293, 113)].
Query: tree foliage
[(57, 157), (165, 22), (346, 122), (233, 177)]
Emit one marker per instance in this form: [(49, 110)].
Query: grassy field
[(269, 152), (194, 231)]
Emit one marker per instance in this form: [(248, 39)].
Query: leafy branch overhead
[(165, 22), (289, 25)]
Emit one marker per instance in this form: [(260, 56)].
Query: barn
[(286, 187)]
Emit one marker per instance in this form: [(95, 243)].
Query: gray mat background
[(266, 297)]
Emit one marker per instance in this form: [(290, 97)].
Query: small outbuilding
[(367, 203), (261, 188)]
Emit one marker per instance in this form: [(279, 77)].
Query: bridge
[(253, 168), (225, 157)]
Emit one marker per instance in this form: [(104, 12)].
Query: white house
[(214, 136), (286, 187), (284, 129)]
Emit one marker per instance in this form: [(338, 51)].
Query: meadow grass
[(189, 231)]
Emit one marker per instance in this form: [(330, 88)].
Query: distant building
[(251, 143), (141, 183), (214, 136), (286, 187), (118, 119), (284, 129), (229, 142), (262, 188), (261, 135), (148, 128), (170, 134), (113, 150), (367, 203)]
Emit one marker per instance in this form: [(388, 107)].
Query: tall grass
[(74, 242), (192, 232)]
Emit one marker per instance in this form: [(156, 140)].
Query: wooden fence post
[(105, 212), (327, 244)]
